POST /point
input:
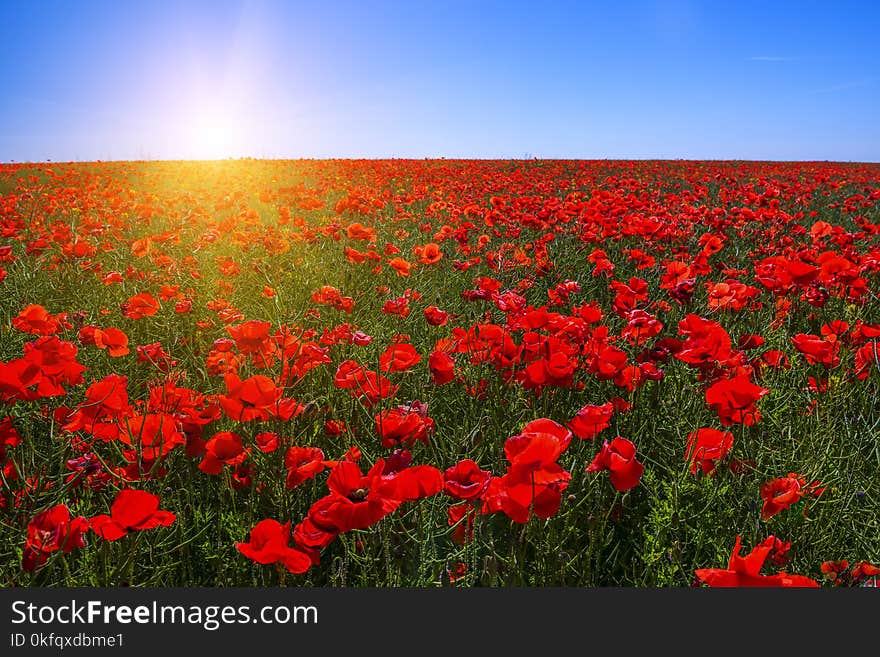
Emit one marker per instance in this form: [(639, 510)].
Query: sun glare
[(213, 135)]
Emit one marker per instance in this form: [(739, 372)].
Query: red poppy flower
[(862, 571), (86, 335), (429, 254), (253, 338), (776, 359), (730, 295), (540, 493), (57, 364), (154, 435), (867, 359), (140, 306), (464, 532), (334, 427), (779, 555), (347, 375), (113, 340), (302, 464), (224, 448), (105, 404), (835, 571), (50, 531), (705, 447), (267, 441), (745, 571), (131, 511), (817, 350), (354, 256), (154, 354), (269, 543), (465, 480), (780, 493), (358, 500), (9, 437), (628, 295), (357, 231), (16, 380), (591, 420), (112, 278), (330, 296), (436, 317), (442, 367), (540, 443), (707, 342), (607, 362), (400, 265), (256, 398), (534, 481), (641, 326), (36, 320), (835, 330), (399, 357), (557, 370), (363, 383), (749, 341), (619, 458), (734, 400), (403, 425)]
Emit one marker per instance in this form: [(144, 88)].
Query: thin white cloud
[(844, 86)]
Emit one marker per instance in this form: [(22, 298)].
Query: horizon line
[(433, 159)]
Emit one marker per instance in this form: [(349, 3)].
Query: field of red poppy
[(428, 373)]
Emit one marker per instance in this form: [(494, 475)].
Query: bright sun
[(213, 135)]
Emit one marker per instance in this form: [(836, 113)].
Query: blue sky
[(265, 78)]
